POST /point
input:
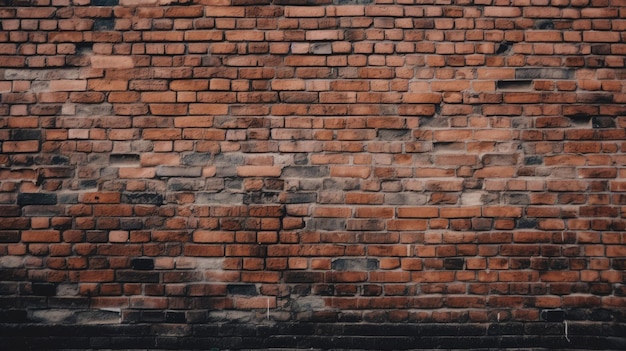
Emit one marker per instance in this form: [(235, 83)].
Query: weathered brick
[(224, 163)]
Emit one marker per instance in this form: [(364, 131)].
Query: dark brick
[(124, 159), (305, 171), (152, 316), (544, 24), (24, 199), (518, 84), (131, 223), (303, 277), (12, 274), (603, 122), (142, 198), (105, 2), (250, 2), (137, 277), (506, 329), (70, 302), (544, 73), (533, 160), (453, 263), (9, 236), (13, 316), (44, 289), (142, 264), (553, 315), (298, 198), (103, 24), (97, 236), (394, 134), (59, 160), (298, 2), (197, 159), (25, 134), (355, 264), (619, 264), (242, 289), (526, 223), (326, 224), (175, 317), (504, 48)]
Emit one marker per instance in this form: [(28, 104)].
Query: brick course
[(201, 174)]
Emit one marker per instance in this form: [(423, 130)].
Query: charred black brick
[(619, 264), (544, 73), (601, 49), (197, 159), (553, 315), (516, 84), (152, 316), (13, 316), (242, 289), (252, 2), (142, 198), (59, 160), (533, 160), (559, 263), (453, 263), (526, 223), (44, 289), (451, 329), (601, 314), (88, 184), (131, 223), (9, 236), (103, 24), (124, 158), (175, 317), (105, 2), (544, 24), (261, 197), (25, 134), (12, 274), (355, 264), (142, 264), (299, 198), (137, 277), (24, 199), (506, 329), (504, 47), (131, 342), (303, 277), (603, 122), (68, 302)]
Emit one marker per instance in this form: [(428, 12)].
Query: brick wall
[(312, 174)]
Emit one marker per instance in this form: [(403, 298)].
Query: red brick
[(461, 212), (259, 171), (502, 11), (41, 236), (350, 171), (117, 62)]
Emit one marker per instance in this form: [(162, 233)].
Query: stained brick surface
[(347, 174)]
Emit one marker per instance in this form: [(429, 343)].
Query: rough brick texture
[(345, 174)]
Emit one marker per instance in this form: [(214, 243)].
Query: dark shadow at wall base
[(321, 336)]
